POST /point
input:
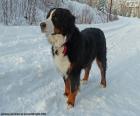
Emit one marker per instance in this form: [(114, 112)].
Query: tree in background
[(130, 8), (110, 10), (102, 5), (21, 12), (31, 11), (4, 4)]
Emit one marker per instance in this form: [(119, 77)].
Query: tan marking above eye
[(53, 15)]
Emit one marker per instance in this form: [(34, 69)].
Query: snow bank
[(84, 13)]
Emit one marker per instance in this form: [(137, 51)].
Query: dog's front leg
[(67, 86), (74, 80), (72, 97)]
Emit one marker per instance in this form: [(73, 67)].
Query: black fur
[(83, 47)]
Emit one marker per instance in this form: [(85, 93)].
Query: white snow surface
[(29, 81)]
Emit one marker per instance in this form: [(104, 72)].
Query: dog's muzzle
[(42, 26)]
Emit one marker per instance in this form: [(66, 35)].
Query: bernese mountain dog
[(74, 50)]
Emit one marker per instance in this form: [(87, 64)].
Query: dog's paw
[(69, 106), (83, 82), (102, 86)]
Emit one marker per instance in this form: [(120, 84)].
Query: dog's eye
[(54, 18)]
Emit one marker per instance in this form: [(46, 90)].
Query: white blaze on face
[(49, 24)]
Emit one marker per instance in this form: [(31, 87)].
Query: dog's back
[(94, 45)]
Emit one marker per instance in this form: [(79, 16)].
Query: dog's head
[(59, 21)]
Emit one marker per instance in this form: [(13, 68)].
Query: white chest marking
[(62, 62)]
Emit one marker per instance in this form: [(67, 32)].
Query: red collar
[(65, 50)]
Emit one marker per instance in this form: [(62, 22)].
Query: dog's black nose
[(43, 24)]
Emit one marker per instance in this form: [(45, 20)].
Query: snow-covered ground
[(29, 81)]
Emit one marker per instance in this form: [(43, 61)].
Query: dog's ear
[(68, 22), (72, 19)]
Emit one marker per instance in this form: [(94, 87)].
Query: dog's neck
[(60, 48), (61, 44)]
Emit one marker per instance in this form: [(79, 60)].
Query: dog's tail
[(102, 51)]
